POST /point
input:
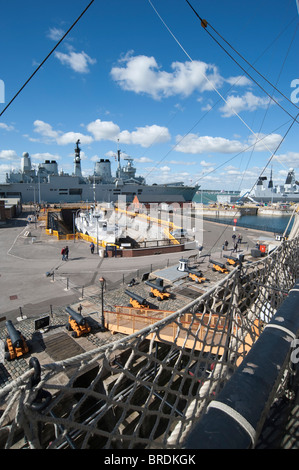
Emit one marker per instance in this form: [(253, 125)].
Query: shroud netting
[(145, 391)]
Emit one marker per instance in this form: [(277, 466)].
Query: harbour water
[(274, 224)]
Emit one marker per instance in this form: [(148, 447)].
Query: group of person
[(65, 253), (235, 242)]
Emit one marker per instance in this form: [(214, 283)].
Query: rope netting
[(147, 390)]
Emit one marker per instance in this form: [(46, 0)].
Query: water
[(274, 224), (257, 222)]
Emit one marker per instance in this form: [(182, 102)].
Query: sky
[(212, 106)]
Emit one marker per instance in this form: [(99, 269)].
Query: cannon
[(219, 266), (77, 323), (158, 290), (232, 260), (15, 345), (196, 276), (136, 300)]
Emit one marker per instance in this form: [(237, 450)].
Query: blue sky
[(147, 75)]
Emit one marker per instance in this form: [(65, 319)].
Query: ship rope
[(46, 58), (149, 389), (294, 119), (205, 25)]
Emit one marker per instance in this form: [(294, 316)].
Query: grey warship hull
[(69, 189), (46, 185)]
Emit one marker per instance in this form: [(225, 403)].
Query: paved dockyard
[(27, 285), (29, 292), (26, 262)]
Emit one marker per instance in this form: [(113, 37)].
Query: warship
[(266, 192), (287, 192), (48, 186)]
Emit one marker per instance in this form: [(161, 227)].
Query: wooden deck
[(184, 332)]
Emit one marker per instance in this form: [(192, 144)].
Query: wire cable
[(209, 81), (204, 23), (46, 58)]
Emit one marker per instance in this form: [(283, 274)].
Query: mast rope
[(46, 58)]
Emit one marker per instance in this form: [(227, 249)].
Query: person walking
[(66, 252), (63, 254), (91, 248)]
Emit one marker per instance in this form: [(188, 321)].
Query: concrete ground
[(26, 261), (25, 285)]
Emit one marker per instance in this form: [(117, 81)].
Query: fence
[(145, 391)]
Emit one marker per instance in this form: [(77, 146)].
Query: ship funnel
[(103, 170)]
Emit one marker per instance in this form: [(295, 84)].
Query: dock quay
[(239, 210), (139, 368)]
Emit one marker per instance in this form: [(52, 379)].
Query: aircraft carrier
[(47, 185)]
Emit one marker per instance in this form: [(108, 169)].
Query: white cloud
[(103, 130), (50, 135), (8, 155), (143, 160), (142, 74), (44, 156), (291, 159), (55, 33), (178, 162), (77, 61), (264, 142), (241, 80), (207, 144), (196, 144), (247, 102), (45, 129), (206, 164), (72, 137), (6, 127), (145, 136)]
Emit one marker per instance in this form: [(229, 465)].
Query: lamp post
[(97, 217), (75, 215), (103, 285)]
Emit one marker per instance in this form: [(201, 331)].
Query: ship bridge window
[(76, 191)]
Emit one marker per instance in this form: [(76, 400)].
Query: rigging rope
[(204, 23), (50, 53), (211, 84)]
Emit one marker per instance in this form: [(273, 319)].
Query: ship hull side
[(65, 193)]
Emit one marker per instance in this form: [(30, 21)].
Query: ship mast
[(77, 161), (118, 159)]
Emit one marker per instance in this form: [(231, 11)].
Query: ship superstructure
[(48, 185), (266, 192)]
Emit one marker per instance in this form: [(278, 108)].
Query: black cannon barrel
[(14, 334), (218, 263), (197, 273), (155, 286), (79, 319), (231, 257), (139, 299)]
